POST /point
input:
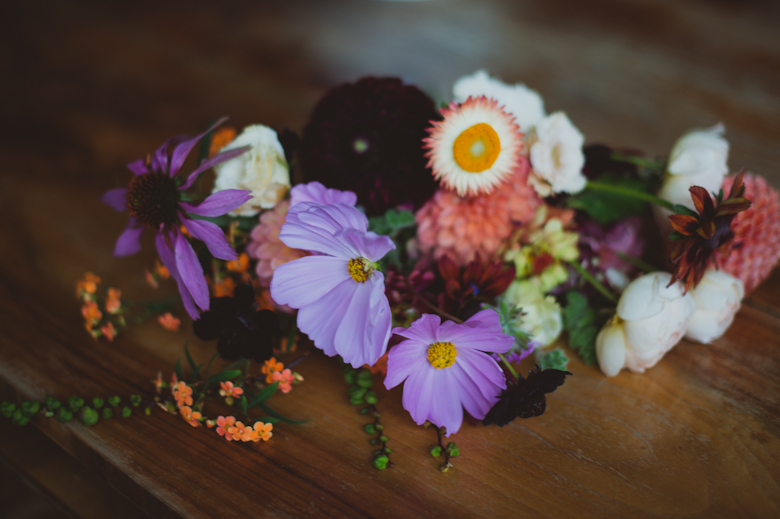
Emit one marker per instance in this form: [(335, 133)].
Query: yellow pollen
[(359, 269), (442, 354), (477, 148)]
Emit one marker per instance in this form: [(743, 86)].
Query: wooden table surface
[(87, 87)]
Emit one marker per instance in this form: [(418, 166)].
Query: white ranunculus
[(698, 158), (524, 104), (263, 170), (651, 318), (541, 314), (556, 156), (718, 296)]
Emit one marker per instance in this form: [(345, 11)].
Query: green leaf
[(583, 325), (371, 398), (244, 405), (369, 428), (179, 375), (30, 408), (108, 413), (554, 359), (114, 401), (381, 461), (280, 416), (265, 394), (365, 379), (97, 403), (223, 376), (676, 236), (89, 416), (126, 412), (18, 418), (268, 419), (194, 367), (75, 403), (63, 415), (607, 207), (211, 361), (436, 451), (391, 222), (51, 403), (135, 400), (681, 209), (7, 409)]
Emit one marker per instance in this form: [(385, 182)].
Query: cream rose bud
[(698, 158), (556, 156), (541, 315), (263, 170), (718, 296), (651, 318), (518, 100)]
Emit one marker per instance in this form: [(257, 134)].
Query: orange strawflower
[(239, 431), (92, 314), (87, 286), (183, 394), (109, 332), (190, 416), (223, 424), (221, 138), (261, 431), (169, 322), (151, 280), (285, 379), (270, 367), (113, 304), (239, 265), (380, 366), (224, 287), (228, 389), (158, 384), (161, 270)]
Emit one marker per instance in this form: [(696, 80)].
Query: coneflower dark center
[(153, 199)]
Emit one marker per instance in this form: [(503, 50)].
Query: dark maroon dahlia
[(367, 137)]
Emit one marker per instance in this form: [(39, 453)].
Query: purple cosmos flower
[(154, 200), (316, 192), (446, 368), (339, 293)]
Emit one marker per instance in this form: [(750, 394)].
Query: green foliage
[(135, 400), (391, 222), (369, 428), (63, 415), (195, 375), (7, 409), (75, 403), (554, 359), (51, 403), (114, 401), (89, 416), (607, 207), (107, 413), (452, 450), (280, 416), (127, 412), (436, 451), (583, 324), (265, 394), (18, 418), (97, 403), (381, 461), (681, 209), (509, 315), (365, 379), (30, 408), (223, 376)]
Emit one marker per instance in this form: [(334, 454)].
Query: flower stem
[(509, 366), (625, 191), (593, 281), (638, 161), (636, 262)]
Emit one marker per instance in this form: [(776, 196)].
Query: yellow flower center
[(477, 148), (442, 354), (360, 269)]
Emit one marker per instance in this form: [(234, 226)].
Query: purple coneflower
[(446, 368), (154, 200), (339, 292)]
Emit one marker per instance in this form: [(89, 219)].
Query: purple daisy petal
[(327, 218), (219, 158), (481, 332), (191, 272), (305, 280), (417, 390), (168, 259), (116, 198), (159, 161), (316, 192), (366, 244), (424, 329), (405, 358), (310, 238), (357, 340), (483, 370), (446, 408), (210, 234), (138, 167), (219, 203), (129, 242), (181, 151), (316, 320), (470, 395)]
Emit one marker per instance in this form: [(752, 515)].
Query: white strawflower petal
[(611, 349)]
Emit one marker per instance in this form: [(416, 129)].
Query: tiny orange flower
[(112, 300), (183, 394), (240, 432), (92, 314), (262, 431), (150, 279), (285, 379), (239, 265), (270, 367), (223, 424), (87, 285), (161, 270), (229, 390), (158, 384), (169, 322), (109, 332), (224, 287), (174, 381), (190, 416), (221, 138)]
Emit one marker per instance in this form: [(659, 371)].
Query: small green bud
[(97, 403), (377, 415), (383, 439), (135, 400), (365, 410), (445, 467), (356, 391), (31, 407), (453, 451), (63, 415), (114, 401), (370, 429), (356, 400), (89, 416), (435, 451), (350, 376), (373, 441), (7, 409), (107, 413), (148, 412), (51, 403), (381, 461), (371, 398), (18, 418), (75, 403), (365, 379), (387, 450), (379, 427), (377, 452)]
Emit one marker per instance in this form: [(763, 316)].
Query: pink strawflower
[(461, 227), (756, 247), (265, 245), (446, 368)]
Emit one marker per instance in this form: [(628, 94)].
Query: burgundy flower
[(367, 137), (476, 282), (154, 201)]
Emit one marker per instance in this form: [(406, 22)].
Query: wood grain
[(88, 87)]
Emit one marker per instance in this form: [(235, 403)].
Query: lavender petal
[(219, 158), (210, 234), (168, 259), (219, 203), (191, 271), (182, 150), (116, 198), (138, 167), (129, 242)]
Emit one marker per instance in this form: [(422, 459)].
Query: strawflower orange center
[(477, 148)]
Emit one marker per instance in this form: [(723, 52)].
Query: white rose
[(698, 158), (556, 156), (718, 296), (262, 170), (651, 318), (541, 315), (524, 104)]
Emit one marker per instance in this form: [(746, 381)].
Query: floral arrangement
[(432, 249)]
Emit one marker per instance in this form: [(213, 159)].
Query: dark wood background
[(88, 86)]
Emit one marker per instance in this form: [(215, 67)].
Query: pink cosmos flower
[(154, 200), (339, 293), (446, 368)]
